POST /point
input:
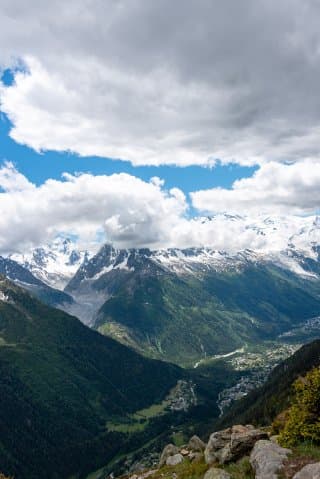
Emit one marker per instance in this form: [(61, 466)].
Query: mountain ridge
[(61, 383)]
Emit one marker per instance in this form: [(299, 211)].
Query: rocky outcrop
[(195, 444), (174, 460), (215, 473), (267, 459), (311, 471), (193, 451), (168, 451), (232, 443)]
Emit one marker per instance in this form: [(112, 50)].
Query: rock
[(184, 452), (169, 450), (232, 443), (311, 471), (195, 444), (217, 441), (242, 442), (174, 460), (215, 473), (267, 459)]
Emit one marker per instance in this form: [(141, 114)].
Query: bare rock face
[(195, 444), (267, 459), (232, 443), (174, 460), (169, 450), (311, 471), (215, 473), (217, 442)]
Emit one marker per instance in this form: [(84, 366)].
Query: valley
[(176, 339)]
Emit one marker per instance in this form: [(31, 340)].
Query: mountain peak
[(54, 263)]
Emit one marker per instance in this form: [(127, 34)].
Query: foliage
[(303, 423), (241, 469), (60, 384), (211, 313)]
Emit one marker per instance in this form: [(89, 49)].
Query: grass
[(196, 470), (126, 427), (307, 449), (185, 470), (152, 411), (178, 438), (139, 420), (302, 454), (241, 469)]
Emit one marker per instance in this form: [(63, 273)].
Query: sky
[(130, 121)]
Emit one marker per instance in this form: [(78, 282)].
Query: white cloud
[(135, 213), (274, 189), (132, 212), (165, 82), (11, 180)]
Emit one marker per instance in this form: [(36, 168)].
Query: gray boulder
[(311, 471), (215, 473), (267, 459), (195, 444), (174, 460), (217, 441), (232, 443), (169, 450)]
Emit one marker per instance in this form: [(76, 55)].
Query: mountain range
[(185, 305), (68, 391)]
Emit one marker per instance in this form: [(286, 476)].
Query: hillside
[(60, 384), (24, 277), (263, 404), (206, 309)]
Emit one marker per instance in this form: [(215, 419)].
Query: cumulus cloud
[(273, 189), (165, 82), (135, 213), (131, 211)]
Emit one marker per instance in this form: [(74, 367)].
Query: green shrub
[(303, 423)]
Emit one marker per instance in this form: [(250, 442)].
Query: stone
[(217, 441), (174, 460), (232, 443), (242, 441), (195, 444), (267, 459), (184, 452), (215, 473), (169, 450), (311, 471)]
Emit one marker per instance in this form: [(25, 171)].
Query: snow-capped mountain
[(55, 263), (24, 278), (291, 243), (148, 298)]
